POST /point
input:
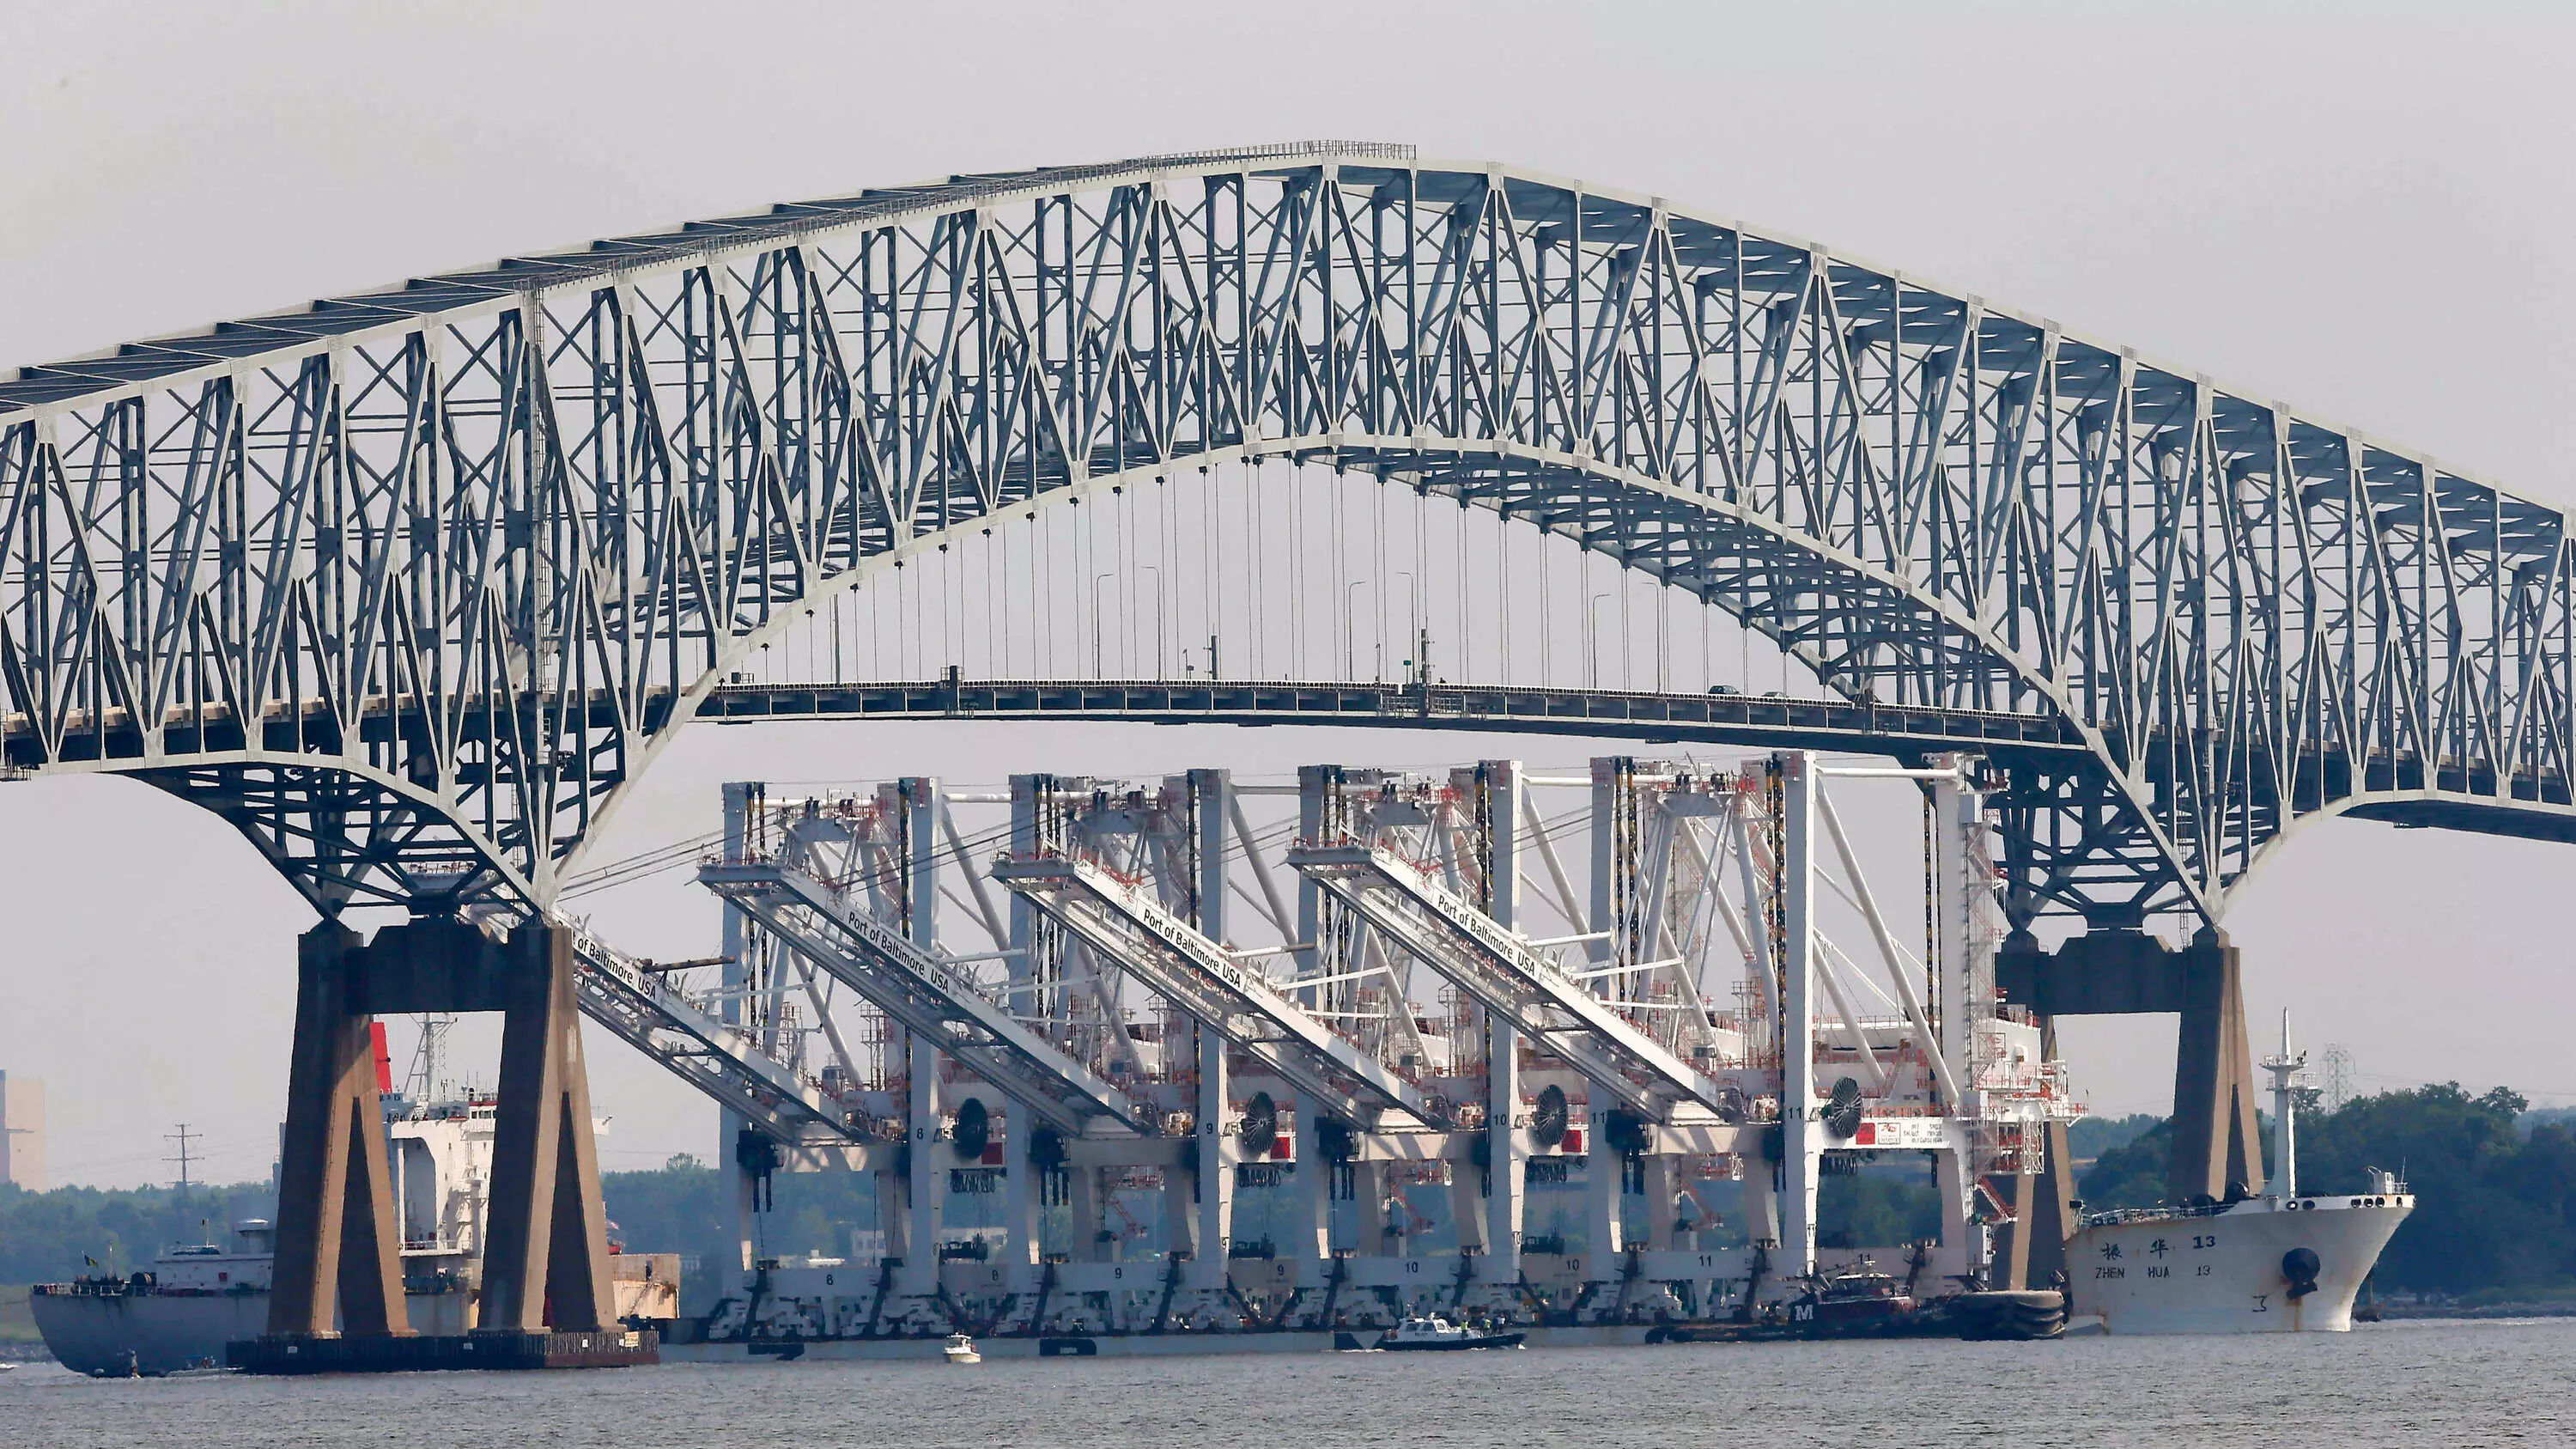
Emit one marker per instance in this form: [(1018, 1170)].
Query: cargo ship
[(176, 1315), (2282, 1261)]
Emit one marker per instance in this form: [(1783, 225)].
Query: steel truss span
[(409, 583)]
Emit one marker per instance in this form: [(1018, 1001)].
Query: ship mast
[(2285, 1070)]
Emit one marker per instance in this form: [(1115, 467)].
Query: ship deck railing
[(2116, 1216)]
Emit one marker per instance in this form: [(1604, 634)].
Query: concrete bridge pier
[(545, 1254), (545, 1245), (2126, 972), (2217, 1143), (339, 1244)]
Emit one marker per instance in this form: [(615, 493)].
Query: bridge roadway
[(2391, 787), (1761, 720)]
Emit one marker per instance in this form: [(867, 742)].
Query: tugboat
[(1861, 1304), (1431, 1333)]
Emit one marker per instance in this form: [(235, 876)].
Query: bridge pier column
[(2126, 972), (545, 1256), (339, 1244), (545, 1240), (2216, 1143)]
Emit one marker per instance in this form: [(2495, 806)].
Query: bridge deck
[(1668, 718)]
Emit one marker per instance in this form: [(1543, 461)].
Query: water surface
[(2418, 1385)]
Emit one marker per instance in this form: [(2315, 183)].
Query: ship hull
[(1460, 1345), (2226, 1272), (149, 1333), (1112, 1345)]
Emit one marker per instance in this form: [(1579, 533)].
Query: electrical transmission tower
[(2338, 1065), (183, 1156)]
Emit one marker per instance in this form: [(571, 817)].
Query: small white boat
[(1433, 1332), (961, 1350)]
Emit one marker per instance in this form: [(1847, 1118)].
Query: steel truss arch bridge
[(408, 584)]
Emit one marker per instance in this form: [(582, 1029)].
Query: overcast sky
[(2361, 210)]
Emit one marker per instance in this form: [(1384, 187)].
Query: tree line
[(2494, 1184)]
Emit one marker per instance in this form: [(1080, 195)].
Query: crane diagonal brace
[(920, 989), (1198, 975), (1503, 972), (646, 1013)]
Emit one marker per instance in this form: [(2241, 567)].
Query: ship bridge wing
[(1198, 975), (1508, 976)]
